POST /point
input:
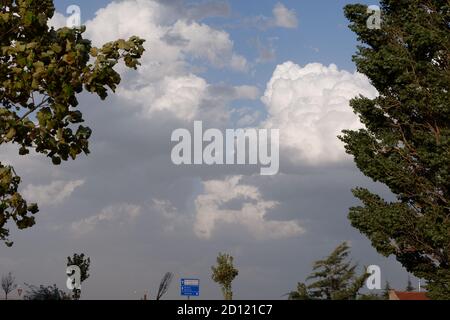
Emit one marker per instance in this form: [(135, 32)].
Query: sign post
[(190, 288)]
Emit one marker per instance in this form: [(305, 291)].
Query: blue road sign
[(190, 287)]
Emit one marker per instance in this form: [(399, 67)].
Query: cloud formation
[(173, 219), (310, 106), (119, 214), (211, 211), (52, 194), (176, 47), (284, 18)]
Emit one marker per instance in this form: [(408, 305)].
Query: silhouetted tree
[(334, 278), (8, 284), (45, 293), (164, 285)]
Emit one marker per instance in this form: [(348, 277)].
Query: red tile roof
[(411, 295)]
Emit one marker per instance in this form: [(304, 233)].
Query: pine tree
[(300, 294), (406, 141), (334, 278)]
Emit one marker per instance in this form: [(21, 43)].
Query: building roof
[(399, 295)]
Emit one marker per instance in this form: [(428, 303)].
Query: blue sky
[(322, 35)]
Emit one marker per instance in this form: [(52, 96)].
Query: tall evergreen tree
[(300, 294), (334, 278), (406, 140)]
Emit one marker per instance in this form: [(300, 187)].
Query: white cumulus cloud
[(310, 106), (52, 194), (204, 42), (176, 47), (284, 18), (211, 211)]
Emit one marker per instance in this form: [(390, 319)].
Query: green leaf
[(51, 67), (56, 160), (56, 48), (11, 134)]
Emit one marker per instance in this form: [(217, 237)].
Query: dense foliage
[(406, 141), (42, 71)]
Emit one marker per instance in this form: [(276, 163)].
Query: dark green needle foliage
[(333, 278), (406, 141)]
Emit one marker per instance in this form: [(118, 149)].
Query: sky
[(283, 65)]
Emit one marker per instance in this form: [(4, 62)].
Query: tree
[(224, 273), (406, 140), (334, 279), (409, 286), (300, 294), (370, 296), (384, 295), (8, 284), (45, 293), (82, 263), (386, 290), (42, 71), (164, 285)]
